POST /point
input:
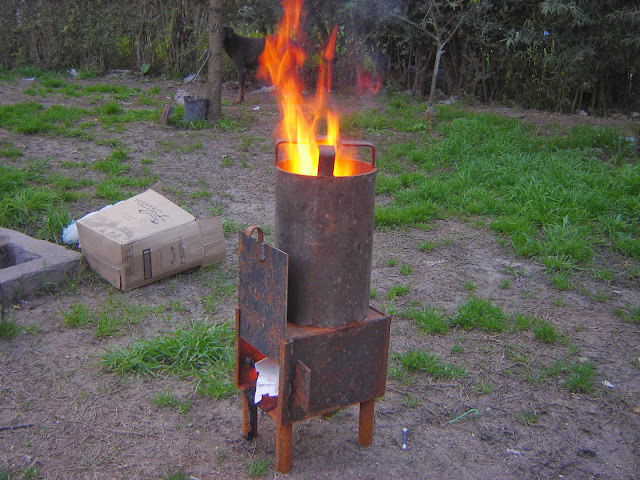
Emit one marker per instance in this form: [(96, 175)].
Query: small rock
[(587, 452)]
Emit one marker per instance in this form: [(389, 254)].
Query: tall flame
[(280, 62)]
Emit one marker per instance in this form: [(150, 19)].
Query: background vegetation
[(564, 55)]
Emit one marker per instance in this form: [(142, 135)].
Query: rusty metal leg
[(284, 434), (249, 416), (365, 429)]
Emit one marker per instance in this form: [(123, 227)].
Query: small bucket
[(194, 108)]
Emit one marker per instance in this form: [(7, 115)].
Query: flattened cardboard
[(146, 238)]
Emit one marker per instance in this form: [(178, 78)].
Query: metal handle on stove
[(347, 143), (249, 231), (357, 143)]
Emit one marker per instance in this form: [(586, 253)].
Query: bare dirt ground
[(74, 422)]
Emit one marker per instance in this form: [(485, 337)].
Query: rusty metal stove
[(304, 303)]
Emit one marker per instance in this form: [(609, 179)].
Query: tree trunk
[(214, 72), (434, 75)]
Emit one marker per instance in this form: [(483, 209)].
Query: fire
[(301, 120)]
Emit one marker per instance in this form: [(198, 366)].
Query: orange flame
[(279, 63)]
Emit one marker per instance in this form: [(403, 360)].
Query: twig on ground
[(15, 427)]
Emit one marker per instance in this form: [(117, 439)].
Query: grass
[(483, 388), (9, 151), (427, 246), (405, 270), (110, 318), (34, 198), (114, 163), (479, 313), (29, 473), (257, 467), (33, 202), (545, 331), (579, 377), (225, 124), (530, 416), (223, 286), (556, 198), (33, 118), (231, 226), (631, 314), (469, 285), (175, 474), (77, 315), (167, 399), (200, 352), (398, 291), (420, 361), (9, 328), (429, 319)]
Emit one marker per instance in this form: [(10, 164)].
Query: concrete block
[(28, 265)]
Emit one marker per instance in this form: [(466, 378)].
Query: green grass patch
[(114, 164), (167, 399), (631, 314), (423, 362), (201, 352), (112, 317), (34, 203), (405, 270), (15, 74), (223, 285), (398, 291), (578, 377), (545, 331), (558, 199), (9, 151), (32, 118), (9, 328), (530, 416), (257, 467), (232, 227), (175, 474), (429, 319), (479, 313), (77, 315), (225, 124)]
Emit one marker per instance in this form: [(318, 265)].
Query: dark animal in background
[(244, 53)]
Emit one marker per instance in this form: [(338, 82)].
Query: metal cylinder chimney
[(325, 224)]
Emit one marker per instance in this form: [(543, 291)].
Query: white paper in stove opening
[(268, 379)]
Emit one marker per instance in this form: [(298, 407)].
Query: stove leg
[(249, 415), (283, 447), (365, 429)]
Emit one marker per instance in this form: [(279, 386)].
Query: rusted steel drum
[(325, 225)]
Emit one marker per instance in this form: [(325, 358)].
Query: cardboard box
[(146, 238)]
